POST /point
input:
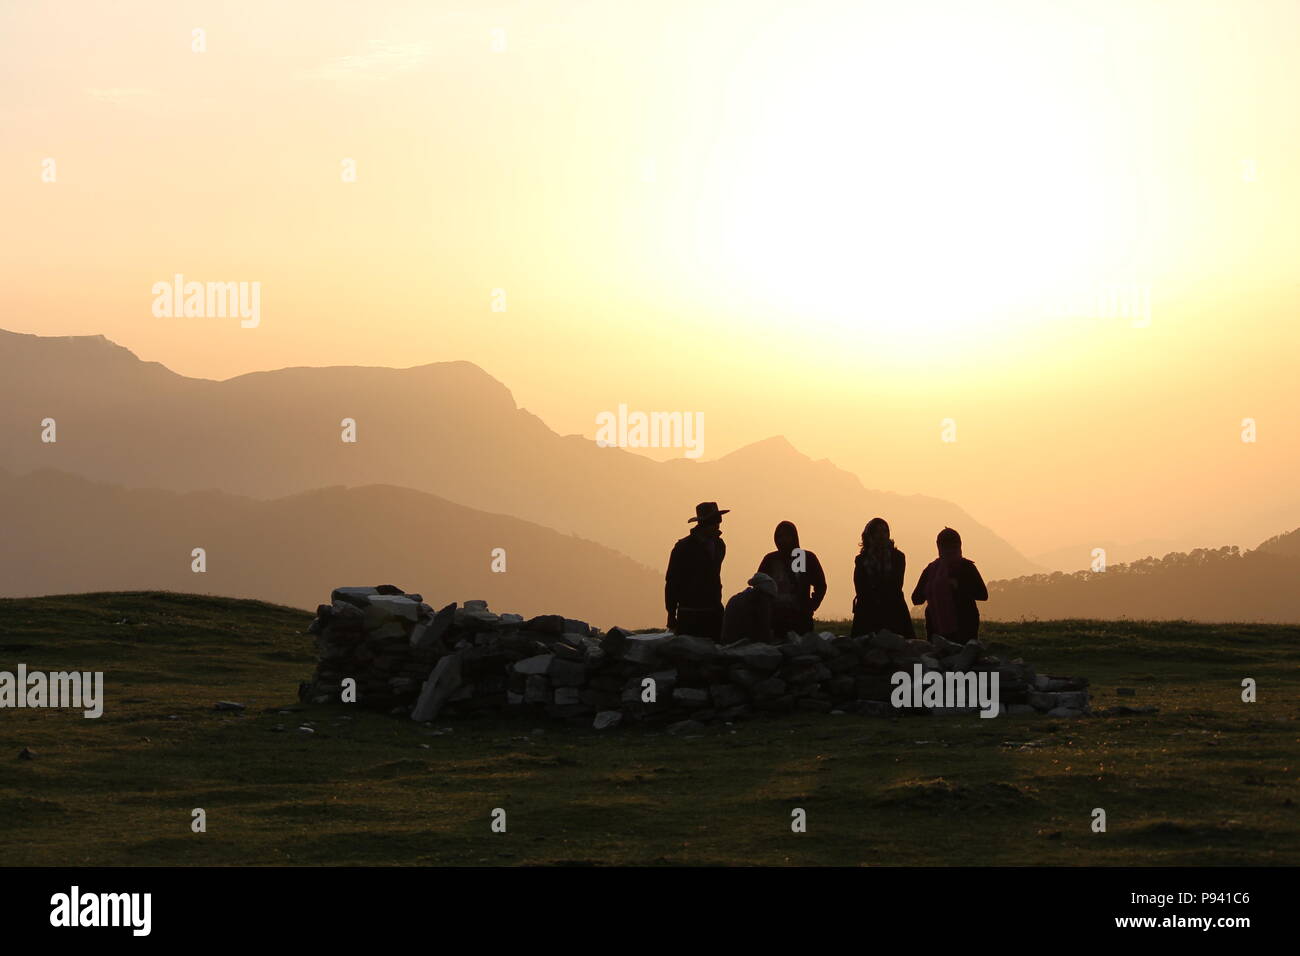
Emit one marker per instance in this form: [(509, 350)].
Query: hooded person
[(800, 582), (748, 616), (693, 582), (949, 587), (878, 602)]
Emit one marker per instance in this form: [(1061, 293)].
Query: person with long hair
[(878, 602), (949, 587)]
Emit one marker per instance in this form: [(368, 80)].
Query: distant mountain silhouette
[(1079, 557), (1287, 545), (66, 534), (1208, 585), (451, 430)]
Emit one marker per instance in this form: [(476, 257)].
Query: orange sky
[(842, 222)]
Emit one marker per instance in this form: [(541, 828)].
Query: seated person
[(748, 615)]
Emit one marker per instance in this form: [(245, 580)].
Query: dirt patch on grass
[(938, 794)]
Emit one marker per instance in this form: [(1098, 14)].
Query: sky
[(1041, 259)]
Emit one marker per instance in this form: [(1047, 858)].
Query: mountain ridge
[(449, 429)]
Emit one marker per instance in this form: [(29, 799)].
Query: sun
[(910, 184)]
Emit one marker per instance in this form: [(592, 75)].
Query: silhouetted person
[(949, 586), (878, 602), (693, 584), (749, 613), (800, 582)]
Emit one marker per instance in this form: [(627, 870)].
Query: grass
[(1208, 780)]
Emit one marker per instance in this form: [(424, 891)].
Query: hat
[(763, 582), (706, 512)]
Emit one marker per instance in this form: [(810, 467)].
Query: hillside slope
[(64, 533)]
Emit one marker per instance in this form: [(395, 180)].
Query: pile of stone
[(406, 658)]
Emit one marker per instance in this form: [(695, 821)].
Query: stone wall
[(410, 660)]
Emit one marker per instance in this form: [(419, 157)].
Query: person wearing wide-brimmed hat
[(693, 584)]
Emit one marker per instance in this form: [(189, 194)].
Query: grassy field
[(1208, 780)]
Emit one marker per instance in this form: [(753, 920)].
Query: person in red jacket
[(949, 587)]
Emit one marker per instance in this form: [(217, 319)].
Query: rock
[(595, 651), (876, 658), (570, 652), (689, 648), (942, 647), (384, 606), (967, 656), (1041, 700), (873, 687), (358, 597), (538, 664), (887, 641), (567, 696), (479, 606), (387, 630), (537, 690), (545, 624), (1064, 712), (474, 620), (725, 696), (690, 697), (615, 642), (769, 689), (756, 656), (644, 648), (1074, 699), (812, 645), (427, 634), (442, 683), (567, 673), (607, 718), (746, 677), (228, 705)]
